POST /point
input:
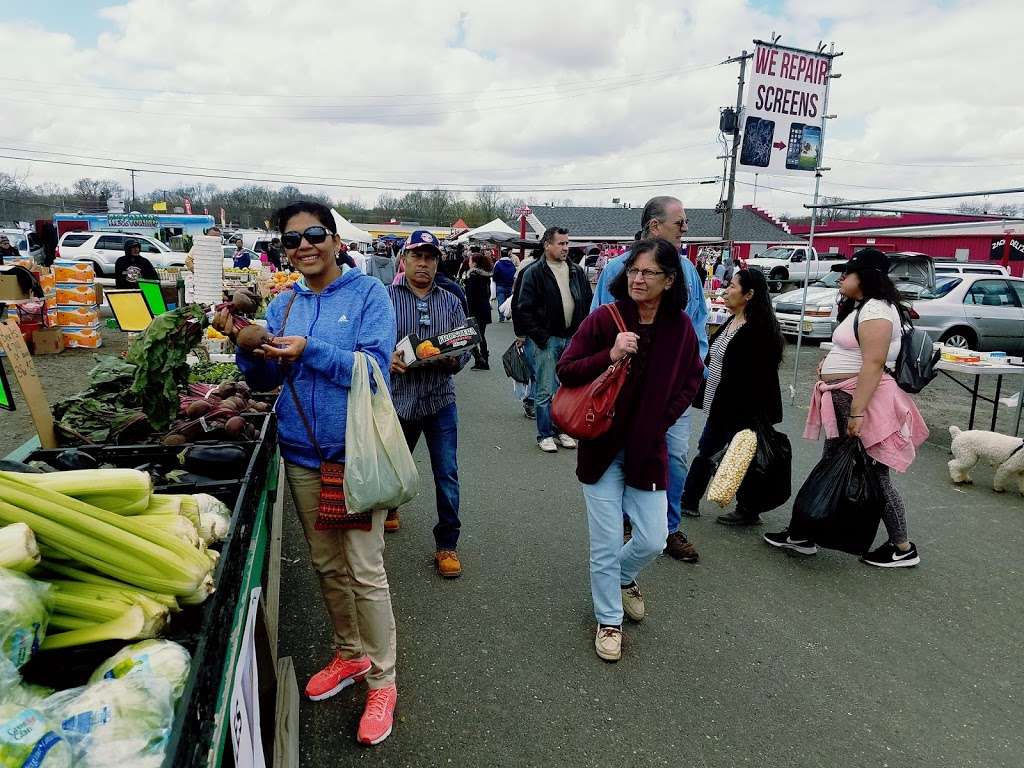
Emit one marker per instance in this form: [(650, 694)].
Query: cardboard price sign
[(12, 343)]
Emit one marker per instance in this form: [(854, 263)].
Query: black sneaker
[(783, 540), (529, 411), (889, 556), (738, 517)]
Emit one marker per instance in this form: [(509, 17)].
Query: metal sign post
[(814, 218)]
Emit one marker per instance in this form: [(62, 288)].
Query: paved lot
[(750, 657)]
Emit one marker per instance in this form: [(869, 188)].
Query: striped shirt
[(424, 391), (717, 357)]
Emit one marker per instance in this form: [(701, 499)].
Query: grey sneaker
[(608, 643), (565, 441), (633, 602), (547, 445)]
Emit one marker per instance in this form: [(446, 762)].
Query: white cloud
[(531, 93)]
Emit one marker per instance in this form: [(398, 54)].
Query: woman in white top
[(865, 343)]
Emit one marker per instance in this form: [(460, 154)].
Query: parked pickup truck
[(787, 264)]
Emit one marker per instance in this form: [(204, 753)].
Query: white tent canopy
[(492, 226), (349, 232)]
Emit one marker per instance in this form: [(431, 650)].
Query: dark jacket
[(128, 270), (478, 295), (505, 273), (749, 387), (645, 409), (442, 280), (537, 307)]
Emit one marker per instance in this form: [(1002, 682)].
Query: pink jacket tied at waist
[(892, 428)]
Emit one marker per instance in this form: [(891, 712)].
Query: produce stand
[(213, 632)]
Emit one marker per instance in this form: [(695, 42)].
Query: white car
[(103, 249), (27, 243), (820, 315)]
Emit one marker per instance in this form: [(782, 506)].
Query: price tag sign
[(6, 396), (12, 343)]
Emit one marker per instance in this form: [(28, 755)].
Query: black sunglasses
[(314, 236)]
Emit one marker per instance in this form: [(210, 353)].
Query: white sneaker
[(608, 643), (566, 442), (633, 603), (547, 445)]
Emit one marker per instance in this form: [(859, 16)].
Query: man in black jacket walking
[(553, 299)]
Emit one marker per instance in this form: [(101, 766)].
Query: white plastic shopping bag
[(506, 308), (379, 469)]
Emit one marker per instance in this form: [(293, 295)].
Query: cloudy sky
[(573, 99)]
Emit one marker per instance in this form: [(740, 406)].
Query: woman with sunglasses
[(317, 328), (741, 389), (625, 470)]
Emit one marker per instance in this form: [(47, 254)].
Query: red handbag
[(586, 412)]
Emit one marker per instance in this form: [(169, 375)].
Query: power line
[(637, 184), (80, 155), (926, 165), (279, 97)]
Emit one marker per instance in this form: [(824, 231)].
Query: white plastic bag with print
[(379, 469)]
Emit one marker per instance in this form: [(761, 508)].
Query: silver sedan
[(979, 312)]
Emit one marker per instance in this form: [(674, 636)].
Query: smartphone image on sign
[(796, 135), (757, 142), (810, 148)]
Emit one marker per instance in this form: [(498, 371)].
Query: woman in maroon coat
[(626, 469)]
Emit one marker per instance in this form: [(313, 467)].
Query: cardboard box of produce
[(47, 341), (73, 272), (82, 338), (418, 351), (76, 294), (78, 317)]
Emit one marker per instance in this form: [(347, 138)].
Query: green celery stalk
[(130, 625)]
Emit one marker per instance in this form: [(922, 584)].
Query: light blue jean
[(544, 362), (678, 439), (612, 563)]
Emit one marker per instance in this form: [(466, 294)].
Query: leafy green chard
[(159, 359)]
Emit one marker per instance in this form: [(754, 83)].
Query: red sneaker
[(379, 716), (336, 676)]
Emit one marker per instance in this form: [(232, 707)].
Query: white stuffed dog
[(1003, 452)]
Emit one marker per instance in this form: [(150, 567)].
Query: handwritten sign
[(12, 343)]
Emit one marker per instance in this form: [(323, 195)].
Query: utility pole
[(131, 207), (727, 217)]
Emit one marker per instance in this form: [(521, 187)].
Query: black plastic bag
[(840, 504), (768, 482), (514, 361)]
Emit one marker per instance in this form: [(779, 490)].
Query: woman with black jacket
[(741, 388), (478, 296)]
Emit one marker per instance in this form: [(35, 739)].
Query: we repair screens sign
[(783, 113)]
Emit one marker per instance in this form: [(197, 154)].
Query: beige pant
[(350, 565)]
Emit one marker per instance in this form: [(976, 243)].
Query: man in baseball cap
[(424, 396)]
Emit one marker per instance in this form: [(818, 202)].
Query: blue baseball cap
[(421, 238)]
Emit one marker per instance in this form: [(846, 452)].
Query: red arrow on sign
[(779, 145)]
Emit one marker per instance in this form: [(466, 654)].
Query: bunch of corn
[(733, 468)]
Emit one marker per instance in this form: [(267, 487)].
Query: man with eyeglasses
[(425, 396), (665, 217)]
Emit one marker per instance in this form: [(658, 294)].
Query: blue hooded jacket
[(352, 313)]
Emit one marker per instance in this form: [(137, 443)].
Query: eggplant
[(221, 462), (74, 458)]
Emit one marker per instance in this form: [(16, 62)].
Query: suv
[(103, 249), (27, 243)]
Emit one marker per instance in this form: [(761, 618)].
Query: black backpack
[(915, 363)]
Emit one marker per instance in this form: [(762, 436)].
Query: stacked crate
[(78, 314)]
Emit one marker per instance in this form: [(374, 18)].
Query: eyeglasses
[(632, 273), (424, 310), (314, 236)]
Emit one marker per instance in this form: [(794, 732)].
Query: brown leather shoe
[(391, 522), (679, 547), (448, 564)]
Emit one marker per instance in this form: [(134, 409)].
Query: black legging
[(480, 353)]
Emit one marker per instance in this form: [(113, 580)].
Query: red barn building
[(947, 237)]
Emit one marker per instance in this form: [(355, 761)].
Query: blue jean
[(678, 439), (612, 563), (501, 294), (544, 362), (442, 433), (531, 390)]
